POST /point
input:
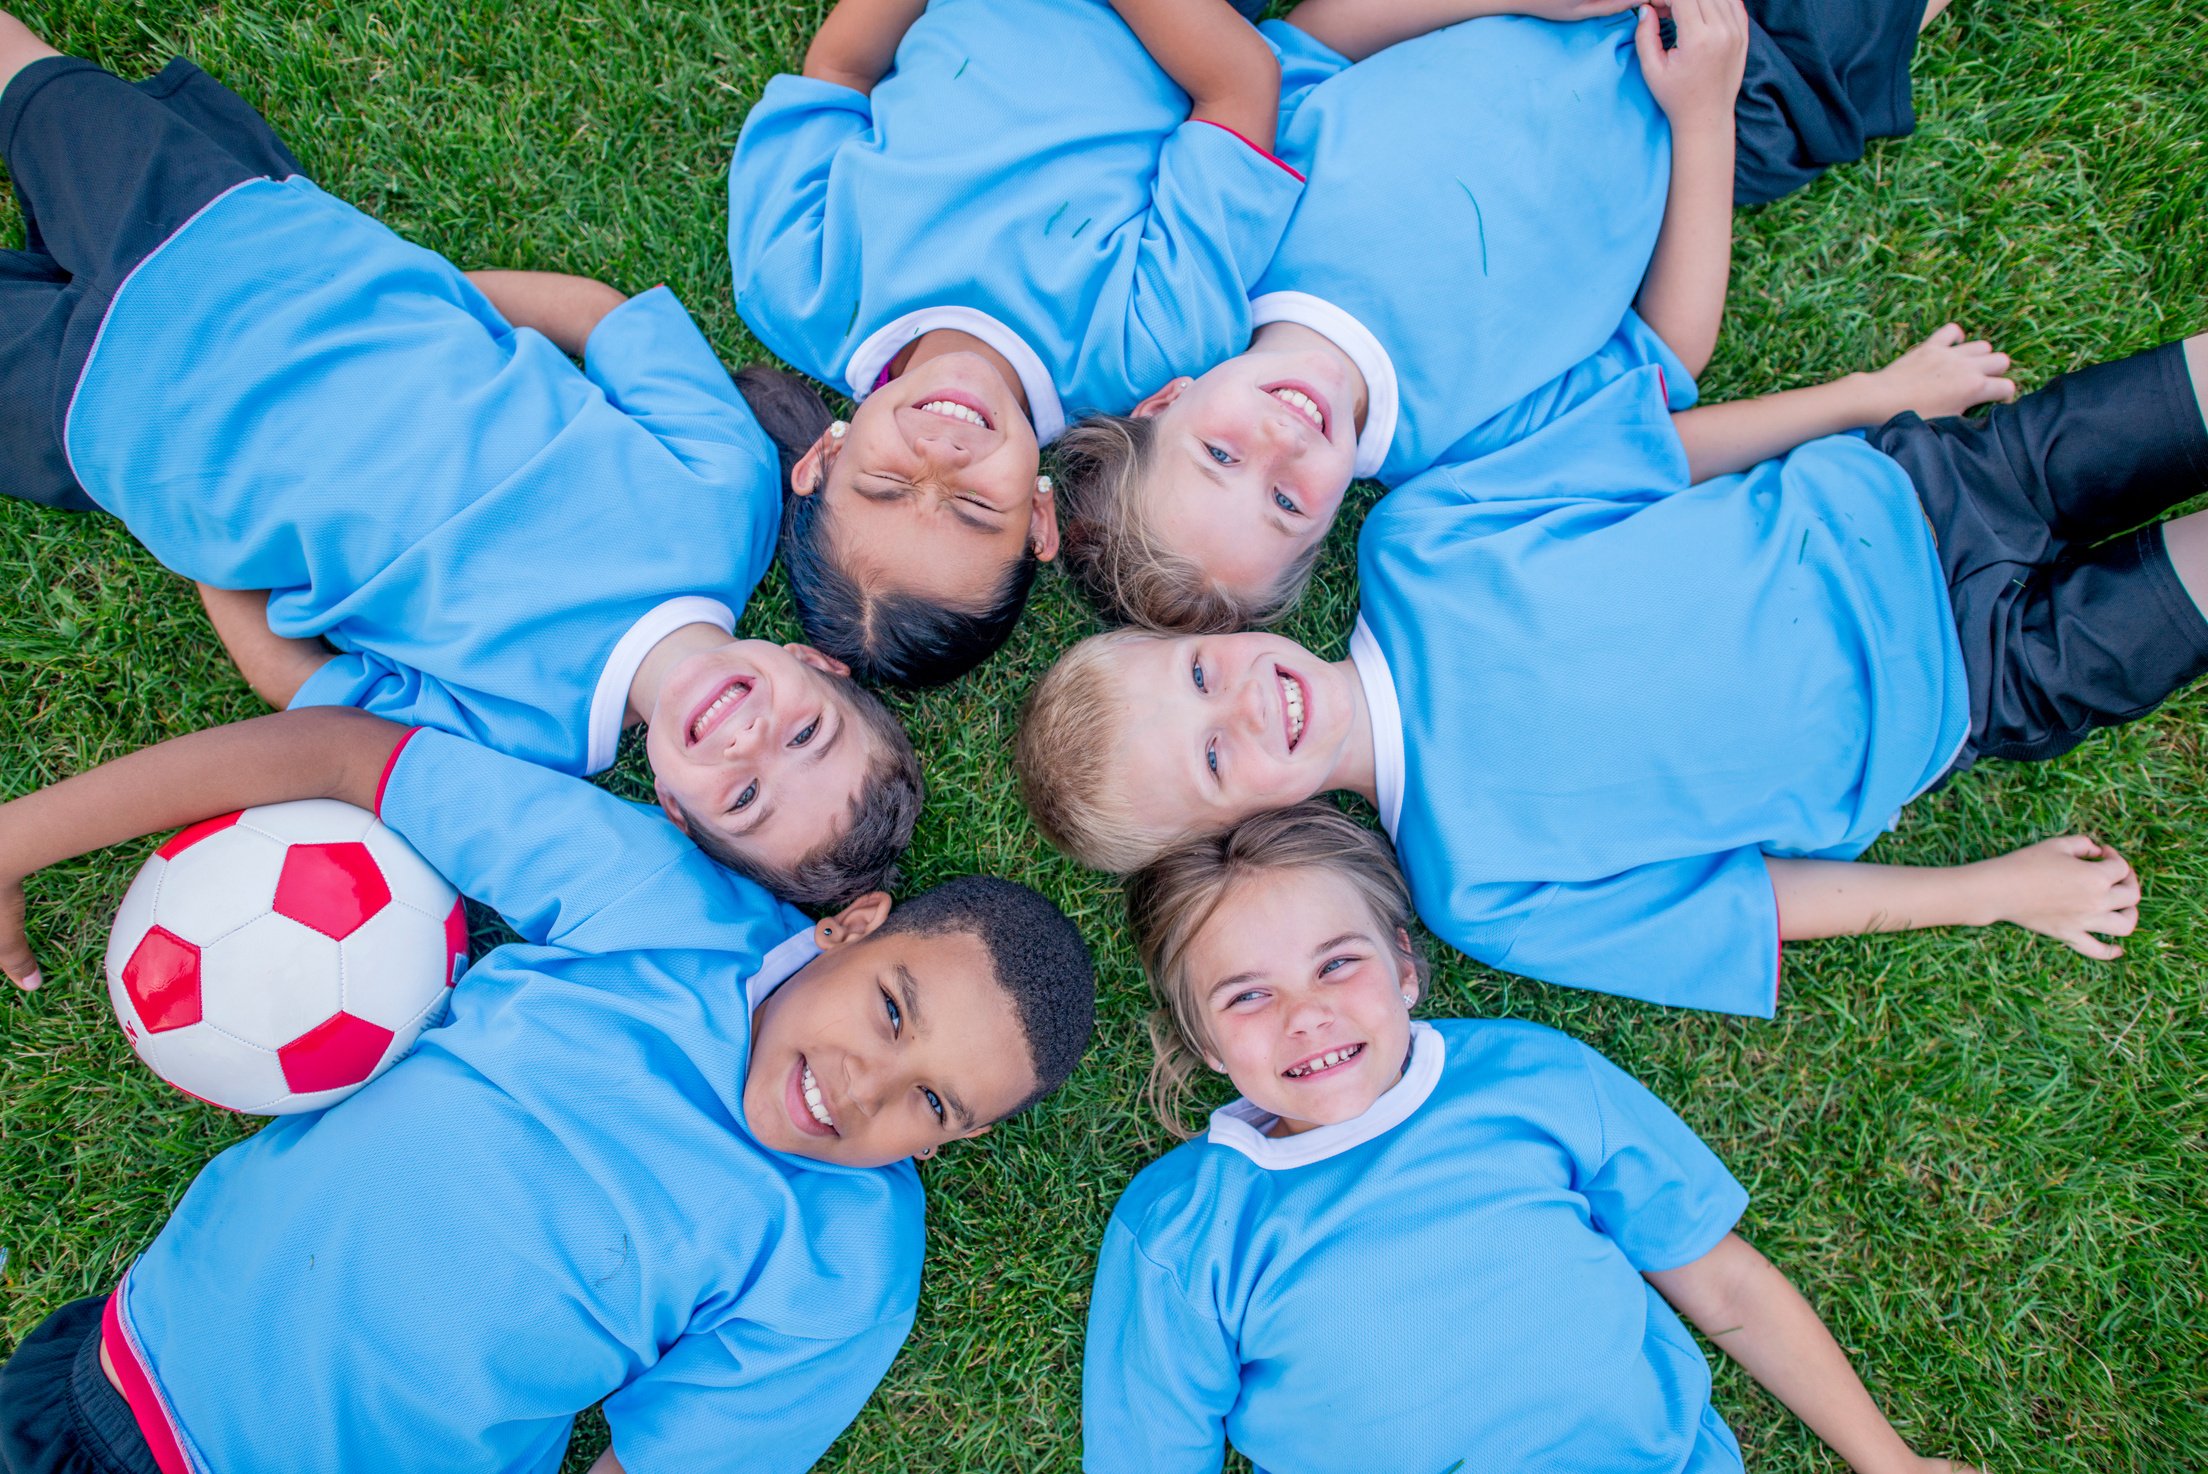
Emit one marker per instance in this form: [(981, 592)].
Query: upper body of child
[(1483, 205), (1415, 1246), (1621, 691), (658, 1155), (349, 443), (1020, 219)]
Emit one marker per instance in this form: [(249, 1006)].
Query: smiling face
[(1306, 996), (1248, 463), (1216, 728), (885, 1046), (759, 742), (932, 489)]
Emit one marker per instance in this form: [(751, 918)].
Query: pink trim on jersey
[(84, 370), (155, 1424), (886, 375), (1262, 152), (1778, 966), (383, 780), (1663, 386)]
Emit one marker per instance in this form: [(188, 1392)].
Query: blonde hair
[(1114, 557), (1067, 756), (1172, 899)]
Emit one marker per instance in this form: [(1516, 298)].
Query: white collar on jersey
[(779, 965), (1382, 400), (610, 701), (1241, 1125), (1387, 722), (884, 343)]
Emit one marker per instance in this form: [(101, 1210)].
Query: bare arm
[(1216, 57), (1943, 375), (606, 1463), (274, 665), (2067, 888), (1358, 28), (1739, 1300), (857, 42), (563, 308), (1696, 83), (324, 752)]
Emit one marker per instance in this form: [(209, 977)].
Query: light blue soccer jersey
[(554, 1199), (1025, 173), (288, 396), (1450, 1281), (1482, 205), (1601, 696)]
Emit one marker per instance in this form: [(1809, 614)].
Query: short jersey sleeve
[(746, 1399), (1653, 1187), (398, 692), (1159, 1374), (778, 214), (656, 368), (1697, 932), (547, 852)]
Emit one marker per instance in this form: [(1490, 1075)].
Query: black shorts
[(105, 171), (2071, 614), (58, 1412), (1824, 78)]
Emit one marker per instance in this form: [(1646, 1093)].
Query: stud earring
[(1042, 486), (1409, 998), (925, 1152), (837, 429)]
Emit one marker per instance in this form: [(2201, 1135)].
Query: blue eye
[(896, 1018), (1218, 455), (935, 1104), (806, 735), (1197, 673), (1211, 758), (1333, 964), (1286, 505), (743, 800)]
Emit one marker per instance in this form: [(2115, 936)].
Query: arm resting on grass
[(1358, 28), (563, 308), (274, 665), (1230, 75), (1739, 1300), (324, 752), (857, 42), (2067, 888)]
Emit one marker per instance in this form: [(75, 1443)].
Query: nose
[(943, 451), (866, 1083), (1258, 702), (1308, 1013)]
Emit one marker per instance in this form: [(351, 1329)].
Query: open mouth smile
[(1304, 403), (807, 1106), (718, 707), (1293, 701), (1319, 1064), (957, 409)]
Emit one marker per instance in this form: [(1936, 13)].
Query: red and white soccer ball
[(278, 959)]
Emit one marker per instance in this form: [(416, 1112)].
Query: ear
[(1218, 1065), (1042, 520), (852, 922), (818, 659), (1406, 966), (1157, 402), (669, 807), (970, 1135), (811, 471)]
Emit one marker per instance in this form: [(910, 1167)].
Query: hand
[(15, 943), (1924, 1465), (1696, 81), (1943, 375), (2068, 889)]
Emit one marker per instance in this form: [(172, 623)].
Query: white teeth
[(1325, 1061), (1291, 691), (1303, 404), (813, 1101), (720, 704), (956, 411)]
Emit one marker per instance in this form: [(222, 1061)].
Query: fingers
[(2077, 846), (1947, 336), (2091, 946), (15, 945), (1648, 40)]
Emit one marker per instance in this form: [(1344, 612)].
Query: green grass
[(1985, 1158)]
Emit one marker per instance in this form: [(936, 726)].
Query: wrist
[(1870, 397), (1980, 898)]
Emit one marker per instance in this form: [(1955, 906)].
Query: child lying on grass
[(1482, 209), (1464, 1244), (657, 1156), (1626, 693), (344, 440)]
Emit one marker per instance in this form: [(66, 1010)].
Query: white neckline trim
[(779, 965), (611, 698), (1241, 1125), (884, 343), (1382, 398), (1386, 715)]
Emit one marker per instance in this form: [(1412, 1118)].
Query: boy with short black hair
[(658, 1156)]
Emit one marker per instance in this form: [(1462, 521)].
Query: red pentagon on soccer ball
[(456, 942), (331, 887), (337, 1052), (162, 978)]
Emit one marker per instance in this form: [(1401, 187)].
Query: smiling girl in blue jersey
[(351, 444), (1464, 1244)]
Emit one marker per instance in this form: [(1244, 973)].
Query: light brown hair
[(1171, 900), (1067, 756), (1114, 557)]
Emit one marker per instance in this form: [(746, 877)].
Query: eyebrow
[(908, 991), (1234, 982)]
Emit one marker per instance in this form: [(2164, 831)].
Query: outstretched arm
[(857, 42), (2068, 888), (1738, 1299), (1230, 75), (1358, 28), (274, 665), (324, 752), (1943, 375), (1696, 83), (563, 308)]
